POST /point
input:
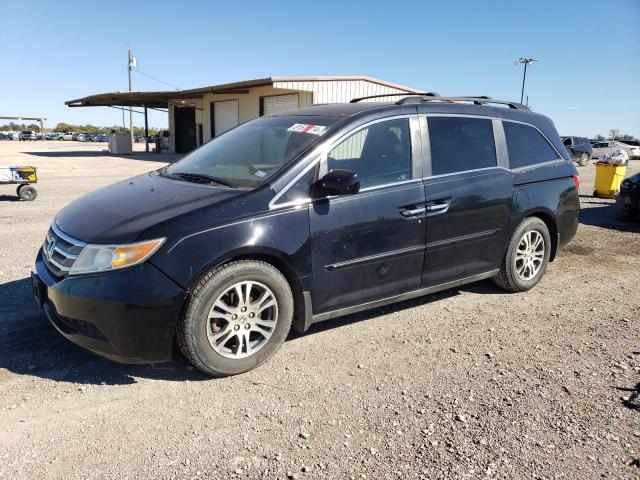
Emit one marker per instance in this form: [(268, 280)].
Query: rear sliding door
[(468, 199)]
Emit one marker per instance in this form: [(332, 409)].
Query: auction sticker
[(305, 128)]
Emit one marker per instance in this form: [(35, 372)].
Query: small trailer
[(24, 177)]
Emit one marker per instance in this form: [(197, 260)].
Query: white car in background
[(634, 149), (606, 147), (67, 136)]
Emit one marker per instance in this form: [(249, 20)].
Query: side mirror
[(340, 182)]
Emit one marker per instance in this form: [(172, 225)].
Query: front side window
[(459, 144), (249, 155), (380, 154), (527, 146)]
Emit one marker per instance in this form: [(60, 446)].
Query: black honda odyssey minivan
[(306, 215)]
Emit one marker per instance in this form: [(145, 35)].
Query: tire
[(200, 322), (583, 161), (27, 193), (509, 276), (621, 211)]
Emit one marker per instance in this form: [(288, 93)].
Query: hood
[(119, 213)]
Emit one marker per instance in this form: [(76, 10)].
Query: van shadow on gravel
[(30, 345), (483, 287)]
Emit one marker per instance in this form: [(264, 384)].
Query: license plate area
[(39, 290)]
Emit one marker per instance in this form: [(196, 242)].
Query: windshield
[(248, 155)]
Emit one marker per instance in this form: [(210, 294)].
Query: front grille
[(60, 251)]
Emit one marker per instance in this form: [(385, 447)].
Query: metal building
[(197, 115)]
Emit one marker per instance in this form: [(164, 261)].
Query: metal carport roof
[(161, 99)]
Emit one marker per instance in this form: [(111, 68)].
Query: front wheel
[(237, 317), (27, 193), (584, 160), (527, 256)]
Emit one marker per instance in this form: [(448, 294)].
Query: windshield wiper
[(164, 173), (201, 178)]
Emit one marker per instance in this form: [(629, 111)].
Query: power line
[(157, 79)]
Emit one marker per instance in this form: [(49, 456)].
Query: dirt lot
[(468, 383)]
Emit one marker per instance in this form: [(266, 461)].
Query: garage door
[(279, 103), (225, 116)]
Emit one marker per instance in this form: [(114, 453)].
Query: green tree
[(11, 126), (64, 127)]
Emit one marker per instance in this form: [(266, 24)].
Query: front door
[(468, 200), (370, 245), (185, 128)]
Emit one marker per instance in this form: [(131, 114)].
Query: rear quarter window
[(527, 146)]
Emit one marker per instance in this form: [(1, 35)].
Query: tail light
[(576, 182)]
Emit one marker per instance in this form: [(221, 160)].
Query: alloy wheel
[(529, 256), (242, 319)]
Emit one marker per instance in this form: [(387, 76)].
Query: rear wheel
[(237, 317), (584, 160), (27, 193), (527, 256)]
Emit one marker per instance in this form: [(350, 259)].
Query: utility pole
[(525, 61), (131, 63)]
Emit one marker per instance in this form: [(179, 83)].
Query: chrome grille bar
[(62, 255)]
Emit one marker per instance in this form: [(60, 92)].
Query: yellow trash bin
[(608, 179)]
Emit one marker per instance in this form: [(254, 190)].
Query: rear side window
[(459, 144), (527, 146)]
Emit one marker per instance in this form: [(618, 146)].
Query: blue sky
[(587, 79)]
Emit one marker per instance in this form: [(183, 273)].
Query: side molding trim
[(321, 317)]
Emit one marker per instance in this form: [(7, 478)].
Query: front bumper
[(126, 315)]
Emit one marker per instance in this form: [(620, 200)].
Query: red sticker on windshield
[(305, 128)]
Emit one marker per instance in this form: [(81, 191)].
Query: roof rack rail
[(406, 94), (479, 100)]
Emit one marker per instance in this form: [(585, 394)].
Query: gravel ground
[(468, 383)]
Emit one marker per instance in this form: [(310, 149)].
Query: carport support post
[(146, 131)]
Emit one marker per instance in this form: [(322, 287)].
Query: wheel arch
[(548, 218), (277, 259)]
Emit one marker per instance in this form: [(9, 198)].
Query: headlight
[(100, 258)]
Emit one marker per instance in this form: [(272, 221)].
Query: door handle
[(437, 207), (412, 212)]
